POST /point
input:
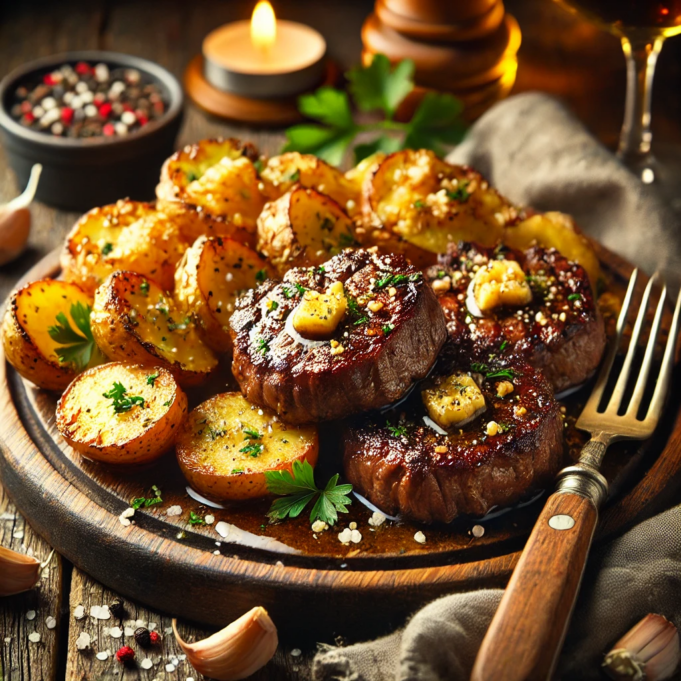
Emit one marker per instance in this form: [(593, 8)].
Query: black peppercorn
[(143, 637), (117, 608)]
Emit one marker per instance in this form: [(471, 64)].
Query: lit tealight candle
[(265, 57)]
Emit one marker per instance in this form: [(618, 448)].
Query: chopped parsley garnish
[(122, 402), (398, 431), (300, 288), (181, 326), (293, 177), (259, 165), (503, 346), (253, 449), (419, 204), (76, 349), (252, 434), (237, 470), (298, 489), (263, 345), (152, 379), (272, 305), (396, 279), (107, 248), (192, 176), (359, 321), (195, 519), (345, 240), (139, 502), (479, 368), (460, 194), (144, 288), (441, 274), (261, 275), (167, 403), (388, 329), (575, 296)]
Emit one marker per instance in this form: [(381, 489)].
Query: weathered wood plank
[(36, 612)]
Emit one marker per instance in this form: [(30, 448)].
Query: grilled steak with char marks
[(388, 338), (402, 464), (560, 330)]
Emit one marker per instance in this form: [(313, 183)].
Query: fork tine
[(597, 393), (618, 392), (664, 379), (642, 379)]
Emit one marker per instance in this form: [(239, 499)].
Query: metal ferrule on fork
[(585, 481)]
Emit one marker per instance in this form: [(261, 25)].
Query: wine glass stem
[(636, 137)]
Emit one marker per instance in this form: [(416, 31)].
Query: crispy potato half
[(357, 176), (127, 235), (303, 228), (555, 230), (212, 188), (430, 203), (282, 172), (209, 278), (122, 413), (31, 337), (226, 444), (134, 320)]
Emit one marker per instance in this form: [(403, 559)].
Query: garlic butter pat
[(318, 314), (501, 282), (453, 400)]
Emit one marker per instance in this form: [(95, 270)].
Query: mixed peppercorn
[(85, 100)]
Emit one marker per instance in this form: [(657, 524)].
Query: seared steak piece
[(388, 337), (401, 461), (560, 330)]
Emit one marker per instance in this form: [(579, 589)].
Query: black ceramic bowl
[(82, 173)]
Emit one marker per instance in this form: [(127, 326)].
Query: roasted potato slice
[(127, 235), (227, 444), (32, 318), (209, 278), (555, 230), (282, 172), (357, 176), (430, 203), (122, 413), (303, 228), (134, 320), (212, 188)]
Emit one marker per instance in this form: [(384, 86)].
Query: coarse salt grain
[(146, 663), (345, 536), (34, 637), (151, 626), (50, 622), (100, 612), (115, 632), (420, 537), (129, 631), (103, 655), (209, 519), (319, 526), (174, 510), (355, 536), (296, 652), (377, 519), (478, 531), (30, 615), (79, 612), (170, 667), (83, 641)]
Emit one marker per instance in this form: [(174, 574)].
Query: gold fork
[(528, 629)]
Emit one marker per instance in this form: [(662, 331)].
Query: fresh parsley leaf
[(261, 275), (385, 143), (122, 402), (152, 379), (574, 296), (398, 431), (329, 106), (107, 248), (298, 488), (146, 502), (195, 519), (77, 349), (436, 121)]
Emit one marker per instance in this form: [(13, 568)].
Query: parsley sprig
[(145, 502), (396, 279), (479, 368), (77, 349), (379, 87), (298, 489), (122, 402)]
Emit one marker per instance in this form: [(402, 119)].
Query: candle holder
[(465, 47)]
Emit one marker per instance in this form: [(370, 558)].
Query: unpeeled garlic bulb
[(18, 572), (15, 220), (235, 652)]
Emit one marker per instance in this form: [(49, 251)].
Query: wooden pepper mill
[(466, 47)]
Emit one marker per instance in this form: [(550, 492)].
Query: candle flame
[(263, 26)]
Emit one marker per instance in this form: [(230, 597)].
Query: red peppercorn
[(66, 115), (109, 130), (105, 110), (48, 79), (142, 119), (29, 117), (154, 638), (82, 68), (126, 107), (25, 106), (125, 655)]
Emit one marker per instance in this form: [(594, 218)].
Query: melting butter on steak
[(314, 350), (415, 467), (535, 305)]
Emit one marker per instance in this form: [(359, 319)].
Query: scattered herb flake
[(122, 402), (263, 345), (195, 519), (398, 431), (574, 296), (107, 248), (261, 275), (144, 288), (151, 380)]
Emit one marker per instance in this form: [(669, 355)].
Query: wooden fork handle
[(527, 632)]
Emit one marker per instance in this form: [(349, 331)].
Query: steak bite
[(330, 341), (476, 437), (535, 305)]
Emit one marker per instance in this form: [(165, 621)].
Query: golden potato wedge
[(134, 320), (303, 228), (34, 314), (282, 172), (212, 188), (127, 235), (430, 203), (555, 230), (226, 444), (209, 278), (357, 176), (122, 413)]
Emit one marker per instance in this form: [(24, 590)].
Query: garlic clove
[(18, 572), (235, 652), (15, 220), (650, 651)]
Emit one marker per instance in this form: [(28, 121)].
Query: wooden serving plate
[(320, 589)]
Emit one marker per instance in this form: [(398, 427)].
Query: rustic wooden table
[(559, 55)]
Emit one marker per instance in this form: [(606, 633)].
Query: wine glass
[(642, 26)]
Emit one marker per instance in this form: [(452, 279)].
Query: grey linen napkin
[(538, 154)]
